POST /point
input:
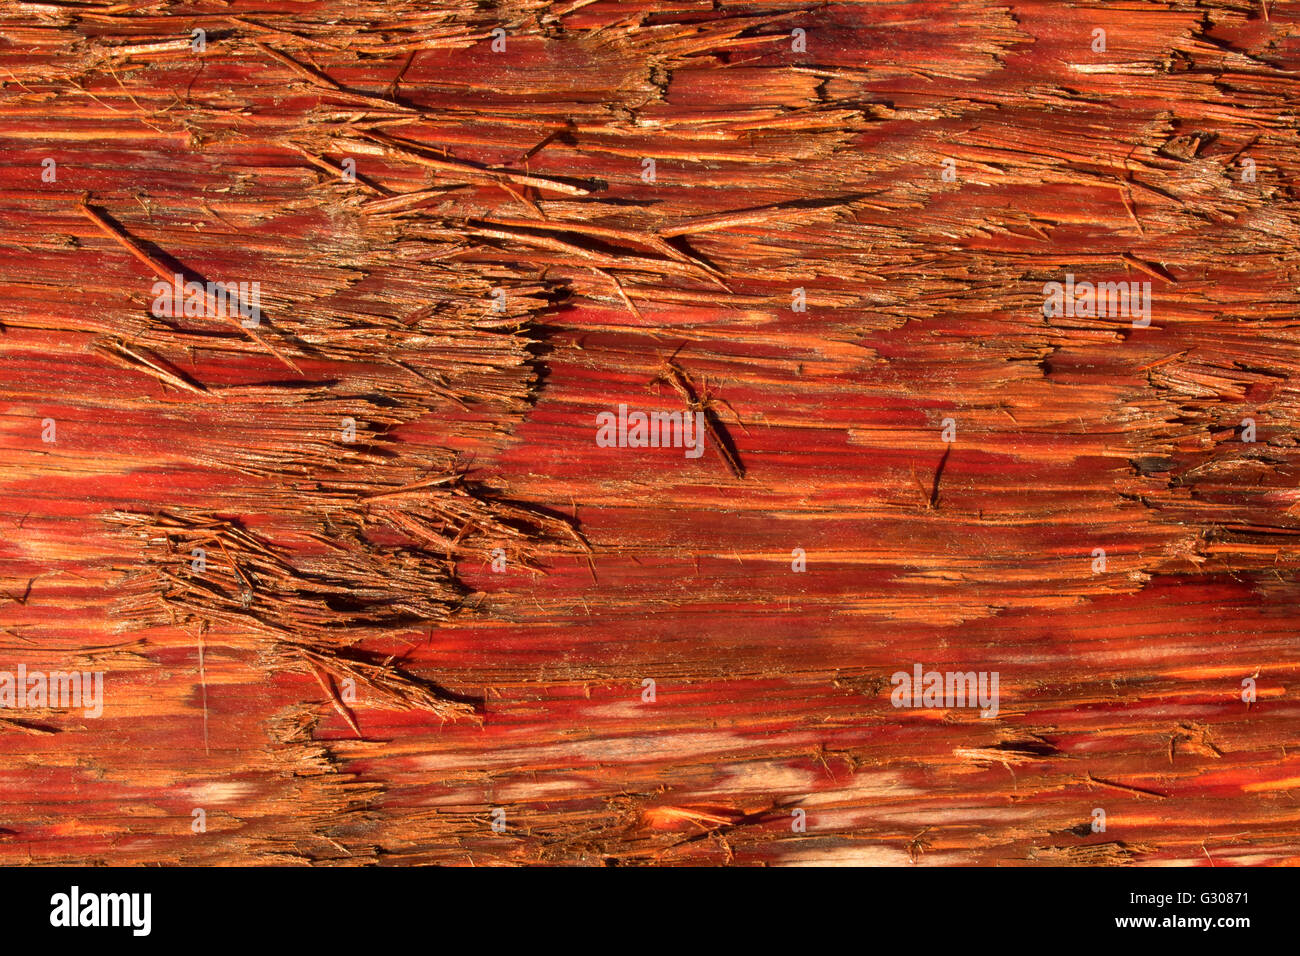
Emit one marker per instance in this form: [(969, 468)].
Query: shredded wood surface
[(364, 587)]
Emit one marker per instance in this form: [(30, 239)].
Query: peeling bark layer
[(365, 588)]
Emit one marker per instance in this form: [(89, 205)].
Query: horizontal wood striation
[(776, 169)]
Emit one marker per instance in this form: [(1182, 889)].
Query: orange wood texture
[(348, 680)]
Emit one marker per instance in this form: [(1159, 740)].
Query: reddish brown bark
[(777, 169)]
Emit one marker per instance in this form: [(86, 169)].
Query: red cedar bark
[(499, 272)]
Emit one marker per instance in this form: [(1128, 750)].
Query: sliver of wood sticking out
[(917, 846), (166, 272), (319, 603), (932, 496), (709, 822), (1009, 753), (1125, 788), (698, 399)]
